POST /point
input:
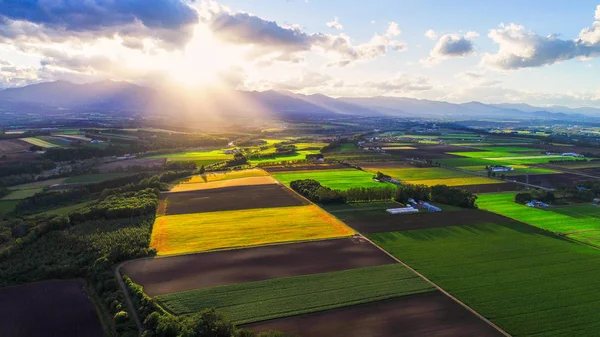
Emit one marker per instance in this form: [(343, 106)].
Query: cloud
[(431, 34), (271, 42), (471, 35), (451, 46), (168, 20), (335, 24), (519, 48), (392, 30)]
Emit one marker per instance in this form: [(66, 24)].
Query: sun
[(203, 60)]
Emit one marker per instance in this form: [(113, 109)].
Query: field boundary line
[(438, 287), (132, 308)]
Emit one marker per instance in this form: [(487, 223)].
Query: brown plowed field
[(274, 169), (172, 274), (231, 199), (381, 221), (429, 314), (250, 181), (491, 188), (123, 164), (551, 180), (49, 308), (431, 151), (13, 145)]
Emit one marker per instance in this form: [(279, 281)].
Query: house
[(535, 203), (596, 201), (572, 154)]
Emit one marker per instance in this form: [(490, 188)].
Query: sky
[(535, 52)]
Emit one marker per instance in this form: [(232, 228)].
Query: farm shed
[(402, 210)]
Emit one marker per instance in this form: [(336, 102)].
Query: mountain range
[(127, 98)]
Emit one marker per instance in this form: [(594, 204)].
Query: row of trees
[(25, 167), (315, 192), (438, 193)]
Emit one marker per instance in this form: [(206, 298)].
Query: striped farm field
[(419, 173), (455, 181), (281, 297), (186, 233), (335, 179), (218, 176), (527, 281), (250, 181), (39, 142)]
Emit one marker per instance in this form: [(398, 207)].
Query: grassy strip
[(21, 194), (257, 301), (527, 281)]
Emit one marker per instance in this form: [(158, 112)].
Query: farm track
[(125, 291)]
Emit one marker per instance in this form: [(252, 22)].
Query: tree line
[(315, 192)]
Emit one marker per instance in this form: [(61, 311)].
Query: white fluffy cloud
[(335, 24), (519, 48), (451, 46), (392, 30), (271, 42), (431, 34)]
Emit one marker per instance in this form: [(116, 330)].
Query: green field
[(94, 178), (503, 158), (7, 206), (568, 220), (420, 173), (299, 155), (518, 169), (461, 162), (335, 179), (509, 149), (21, 194), (269, 299), (526, 281)]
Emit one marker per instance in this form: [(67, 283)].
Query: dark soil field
[(429, 314), (13, 145), (123, 164), (49, 308), (491, 188), (231, 198), (275, 169), (430, 151), (172, 274), (551, 180), (379, 221)]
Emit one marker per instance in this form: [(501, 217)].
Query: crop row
[(262, 300)]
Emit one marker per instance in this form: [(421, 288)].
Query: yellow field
[(217, 176), (224, 183), (186, 233), (398, 148), (454, 181), (38, 142)]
